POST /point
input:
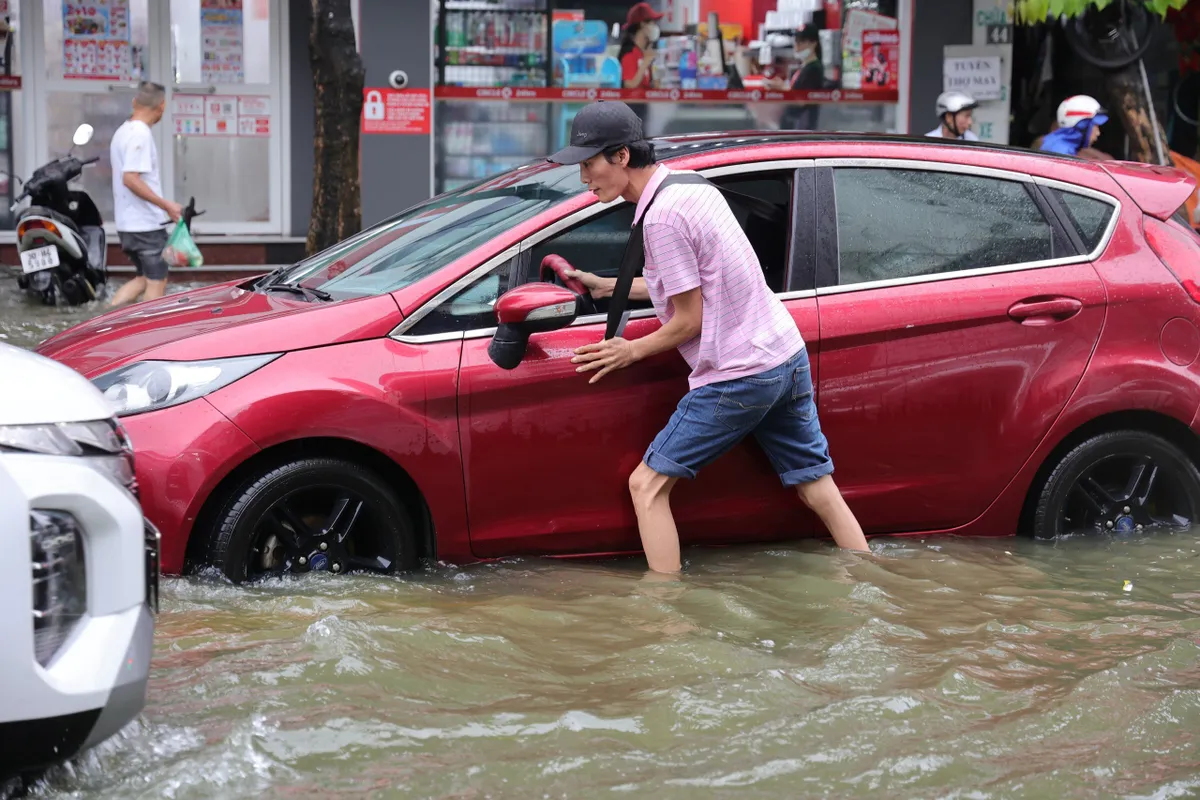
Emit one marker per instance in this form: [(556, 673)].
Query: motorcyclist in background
[(1079, 119), (954, 110)]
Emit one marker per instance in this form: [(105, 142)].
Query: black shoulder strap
[(634, 258)]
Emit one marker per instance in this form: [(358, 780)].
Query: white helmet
[(1077, 108), (954, 102)]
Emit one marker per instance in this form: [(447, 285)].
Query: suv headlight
[(101, 444), (151, 385)]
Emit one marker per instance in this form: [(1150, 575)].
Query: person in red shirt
[(637, 46)]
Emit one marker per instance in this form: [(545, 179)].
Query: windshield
[(402, 250)]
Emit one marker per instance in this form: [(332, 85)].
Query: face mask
[(652, 32), (805, 54)]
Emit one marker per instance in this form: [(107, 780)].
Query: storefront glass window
[(229, 175), (223, 132), (221, 41), (508, 65), (9, 102), (104, 112), (103, 40)]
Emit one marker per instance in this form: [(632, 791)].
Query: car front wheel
[(1119, 481), (312, 515)]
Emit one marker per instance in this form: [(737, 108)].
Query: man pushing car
[(750, 370)]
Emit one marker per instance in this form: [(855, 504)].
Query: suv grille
[(59, 580)]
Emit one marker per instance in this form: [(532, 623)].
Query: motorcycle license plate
[(39, 258)]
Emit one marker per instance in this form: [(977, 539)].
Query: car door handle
[(1044, 311)]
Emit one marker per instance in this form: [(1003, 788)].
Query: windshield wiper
[(273, 275), (303, 291)]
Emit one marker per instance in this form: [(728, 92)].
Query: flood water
[(936, 667)]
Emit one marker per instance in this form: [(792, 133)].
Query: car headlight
[(151, 385), (102, 444)]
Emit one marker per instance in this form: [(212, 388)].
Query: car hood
[(219, 321)]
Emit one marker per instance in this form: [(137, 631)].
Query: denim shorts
[(776, 406), (144, 249)]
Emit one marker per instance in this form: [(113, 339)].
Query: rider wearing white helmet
[(1079, 119), (954, 110)]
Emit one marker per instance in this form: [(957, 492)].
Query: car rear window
[(1089, 216)]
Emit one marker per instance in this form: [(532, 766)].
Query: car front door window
[(469, 309), (598, 244)]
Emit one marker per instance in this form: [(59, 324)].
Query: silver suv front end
[(79, 588)]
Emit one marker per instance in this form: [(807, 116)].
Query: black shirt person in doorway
[(810, 76)]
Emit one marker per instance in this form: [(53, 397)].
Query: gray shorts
[(145, 249)]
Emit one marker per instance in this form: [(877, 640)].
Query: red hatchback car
[(1002, 341)]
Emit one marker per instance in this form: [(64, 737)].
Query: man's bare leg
[(651, 492), (823, 497), (155, 289), (129, 292)]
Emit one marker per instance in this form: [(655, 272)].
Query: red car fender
[(396, 399)]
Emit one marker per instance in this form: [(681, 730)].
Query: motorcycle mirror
[(83, 135)]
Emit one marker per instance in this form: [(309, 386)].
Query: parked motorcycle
[(60, 235)]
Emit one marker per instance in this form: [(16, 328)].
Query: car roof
[(668, 147)]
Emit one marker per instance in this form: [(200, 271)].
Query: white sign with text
[(980, 77)]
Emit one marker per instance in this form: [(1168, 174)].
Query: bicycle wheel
[(1114, 37)]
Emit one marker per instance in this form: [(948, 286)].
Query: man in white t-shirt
[(955, 110), (138, 205)]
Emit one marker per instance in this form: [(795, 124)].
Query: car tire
[(296, 494), (1093, 487)]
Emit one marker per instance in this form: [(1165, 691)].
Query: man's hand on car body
[(606, 356), (618, 353)]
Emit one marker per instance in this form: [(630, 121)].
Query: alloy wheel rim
[(324, 528), (1128, 492)]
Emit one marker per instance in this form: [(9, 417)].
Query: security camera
[(398, 79)]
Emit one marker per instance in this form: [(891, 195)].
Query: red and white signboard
[(220, 116), (748, 95), (187, 114), (230, 115), (254, 115), (10, 83), (404, 111)]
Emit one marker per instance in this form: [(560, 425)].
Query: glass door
[(91, 58), (223, 112)]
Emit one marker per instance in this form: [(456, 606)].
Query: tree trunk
[(1127, 101), (338, 77)]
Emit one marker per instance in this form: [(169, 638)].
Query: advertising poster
[(858, 22), (96, 40), (221, 33), (881, 60)]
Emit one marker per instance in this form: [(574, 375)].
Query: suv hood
[(219, 321), (49, 391)]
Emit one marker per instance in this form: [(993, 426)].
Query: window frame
[(828, 256), (1067, 219), (801, 241)]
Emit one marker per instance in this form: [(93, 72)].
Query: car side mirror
[(532, 308)]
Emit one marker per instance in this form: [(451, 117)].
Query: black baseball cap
[(598, 127)]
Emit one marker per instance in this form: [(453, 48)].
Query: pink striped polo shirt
[(693, 239)]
